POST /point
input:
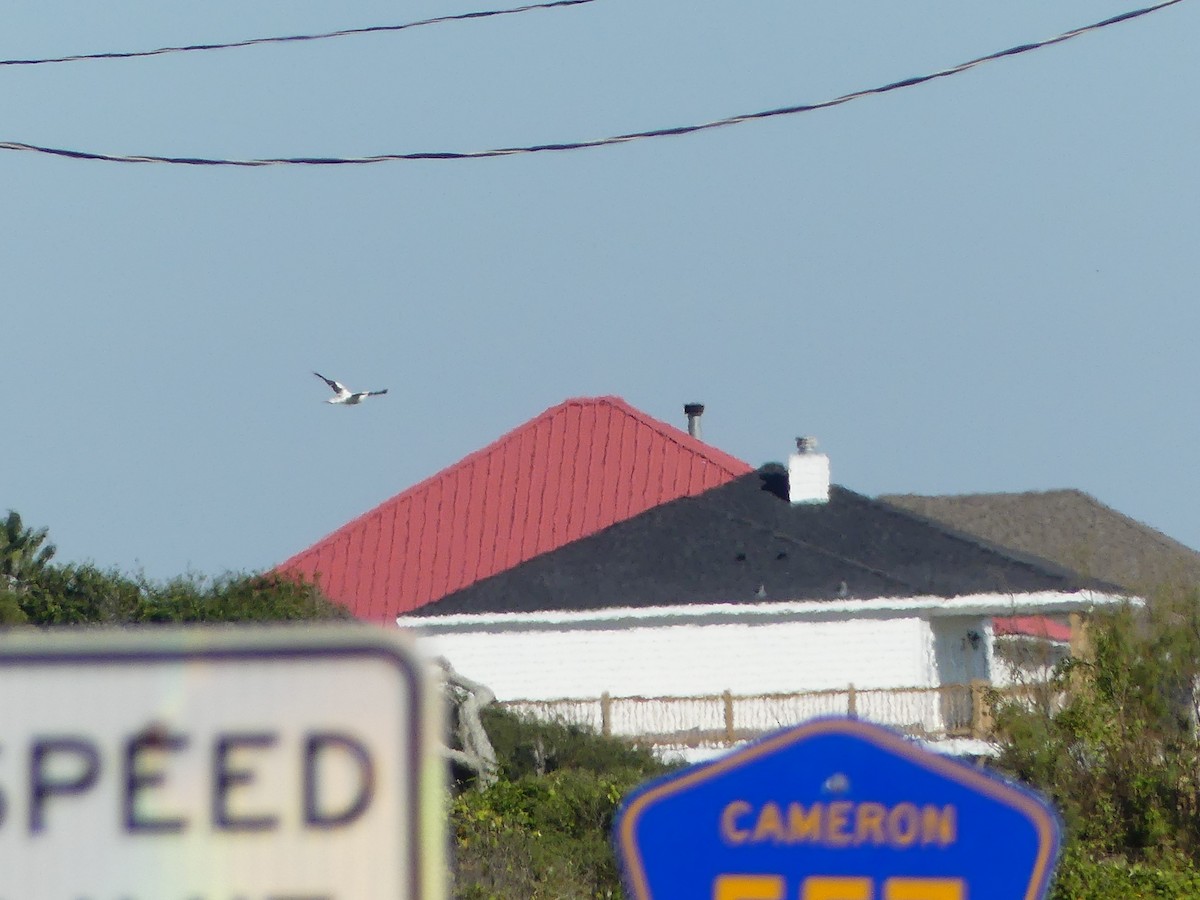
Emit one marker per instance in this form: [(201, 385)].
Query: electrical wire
[(598, 142), (253, 42)]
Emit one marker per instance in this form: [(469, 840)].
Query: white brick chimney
[(808, 473)]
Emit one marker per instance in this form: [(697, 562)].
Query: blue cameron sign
[(835, 809)]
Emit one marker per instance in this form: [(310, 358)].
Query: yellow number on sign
[(924, 889), (748, 887), (830, 888)]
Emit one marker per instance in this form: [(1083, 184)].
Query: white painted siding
[(694, 659), (1022, 661), (781, 662)]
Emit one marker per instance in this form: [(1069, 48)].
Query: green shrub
[(542, 831), (1113, 742), (253, 598), (525, 745), (1080, 877), (10, 608), (540, 836), (86, 595), (35, 591), (80, 595), (1118, 754)]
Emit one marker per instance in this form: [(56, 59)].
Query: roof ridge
[(724, 461), (967, 495), (684, 549), (1027, 560), (414, 489), (1129, 522), (1159, 537), (727, 461)]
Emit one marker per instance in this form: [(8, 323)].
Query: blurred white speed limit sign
[(286, 763)]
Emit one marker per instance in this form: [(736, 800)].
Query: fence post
[(728, 697), (605, 713), (981, 713), (851, 702), (1079, 636)]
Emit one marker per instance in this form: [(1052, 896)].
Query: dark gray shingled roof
[(744, 541), (1070, 527)]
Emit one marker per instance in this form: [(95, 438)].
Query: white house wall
[(768, 656), (1023, 660), (694, 659)]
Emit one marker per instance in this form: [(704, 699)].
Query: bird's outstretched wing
[(336, 387), (376, 393)]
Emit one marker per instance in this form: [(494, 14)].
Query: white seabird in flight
[(344, 394)]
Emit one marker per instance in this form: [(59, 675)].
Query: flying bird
[(343, 394)]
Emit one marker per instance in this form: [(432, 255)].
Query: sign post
[(836, 809), (285, 763)]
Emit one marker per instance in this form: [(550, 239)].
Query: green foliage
[(255, 598), (542, 831), (10, 608), (1080, 877), (85, 595), (1113, 742), (80, 595), (539, 836), (23, 552), (35, 591), (527, 746)]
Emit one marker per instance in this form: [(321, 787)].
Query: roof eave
[(990, 604)]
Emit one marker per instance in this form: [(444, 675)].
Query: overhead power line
[(253, 42), (598, 142)]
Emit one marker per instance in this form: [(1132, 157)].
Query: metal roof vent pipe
[(694, 411), (808, 473)]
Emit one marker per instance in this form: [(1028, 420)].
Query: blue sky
[(987, 283)]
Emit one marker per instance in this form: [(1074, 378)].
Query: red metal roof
[(1033, 626), (577, 468)]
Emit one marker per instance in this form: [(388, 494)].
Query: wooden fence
[(721, 720)]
